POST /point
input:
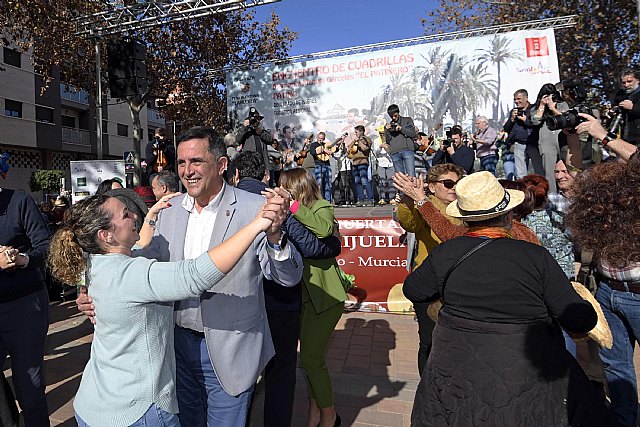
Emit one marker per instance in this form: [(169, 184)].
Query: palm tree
[(499, 53), (478, 87)]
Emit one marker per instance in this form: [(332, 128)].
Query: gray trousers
[(23, 330)]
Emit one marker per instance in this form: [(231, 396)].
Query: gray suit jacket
[(234, 318)]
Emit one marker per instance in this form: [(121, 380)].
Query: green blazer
[(320, 276)]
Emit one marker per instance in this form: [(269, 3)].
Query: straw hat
[(601, 333), (480, 196)]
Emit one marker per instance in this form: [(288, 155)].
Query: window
[(68, 121), (105, 126), (12, 108), (44, 114), (12, 57), (123, 130)]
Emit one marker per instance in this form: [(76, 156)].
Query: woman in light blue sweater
[(130, 376)]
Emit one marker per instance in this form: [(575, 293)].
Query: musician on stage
[(158, 144), (360, 149), (485, 139), (321, 150)]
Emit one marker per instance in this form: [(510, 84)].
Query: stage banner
[(444, 83), (373, 250)]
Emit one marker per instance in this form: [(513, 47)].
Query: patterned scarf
[(489, 232)]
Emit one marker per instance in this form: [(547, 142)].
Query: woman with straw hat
[(498, 357)]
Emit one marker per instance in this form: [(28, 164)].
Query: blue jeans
[(361, 177), (488, 163), (201, 399), (405, 162), (622, 311), (323, 178), (508, 164), (154, 417)]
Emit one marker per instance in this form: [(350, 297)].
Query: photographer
[(628, 99), (452, 150), (158, 144), (252, 136), (523, 134), (485, 139), (548, 103), (399, 134)]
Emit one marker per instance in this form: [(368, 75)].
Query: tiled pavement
[(372, 358)]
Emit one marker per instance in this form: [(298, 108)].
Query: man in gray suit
[(222, 339)]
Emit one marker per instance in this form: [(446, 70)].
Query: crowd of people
[(194, 295)]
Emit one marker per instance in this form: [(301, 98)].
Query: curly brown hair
[(539, 185), (605, 212), (302, 186), (78, 235)]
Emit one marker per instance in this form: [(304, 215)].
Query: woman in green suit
[(323, 296)]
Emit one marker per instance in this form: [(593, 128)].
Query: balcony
[(76, 136), (155, 117), (79, 96)]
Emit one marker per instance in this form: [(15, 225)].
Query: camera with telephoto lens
[(448, 141), (576, 95)]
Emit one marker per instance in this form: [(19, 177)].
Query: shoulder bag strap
[(482, 244)]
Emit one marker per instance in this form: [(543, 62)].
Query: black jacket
[(498, 356), (250, 141), (278, 297), (463, 157), (631, 129), (22, 227), (522, 132)]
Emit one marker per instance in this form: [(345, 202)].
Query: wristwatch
[(607, 139), (281, 244), (151, 222), (422, 202)]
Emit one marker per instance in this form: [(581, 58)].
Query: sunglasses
[(448, 183)]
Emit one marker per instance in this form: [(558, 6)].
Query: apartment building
[(48, 130)]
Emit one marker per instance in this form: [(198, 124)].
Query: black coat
[(631, 129), (498, 357), (495, 375)]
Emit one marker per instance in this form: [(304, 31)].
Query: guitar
[(351, 151), (327, 150), (299, 158)]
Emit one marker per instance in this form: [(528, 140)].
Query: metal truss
[(562, 22), (146, 14)]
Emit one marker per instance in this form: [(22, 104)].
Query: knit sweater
[(132, 363), (22, 227), (412, 221), (445, 230)]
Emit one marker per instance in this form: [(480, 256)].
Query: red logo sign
[(537, 46)]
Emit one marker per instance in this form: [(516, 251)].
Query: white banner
[(86, 176), (447, 82)]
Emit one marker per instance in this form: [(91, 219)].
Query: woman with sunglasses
[(441, 182), (129, 379), (440, 224)]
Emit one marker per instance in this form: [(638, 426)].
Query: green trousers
[(315, 331)]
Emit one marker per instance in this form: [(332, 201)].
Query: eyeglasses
[(448, 183)]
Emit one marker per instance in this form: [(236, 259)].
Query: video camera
[(576, 96)]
